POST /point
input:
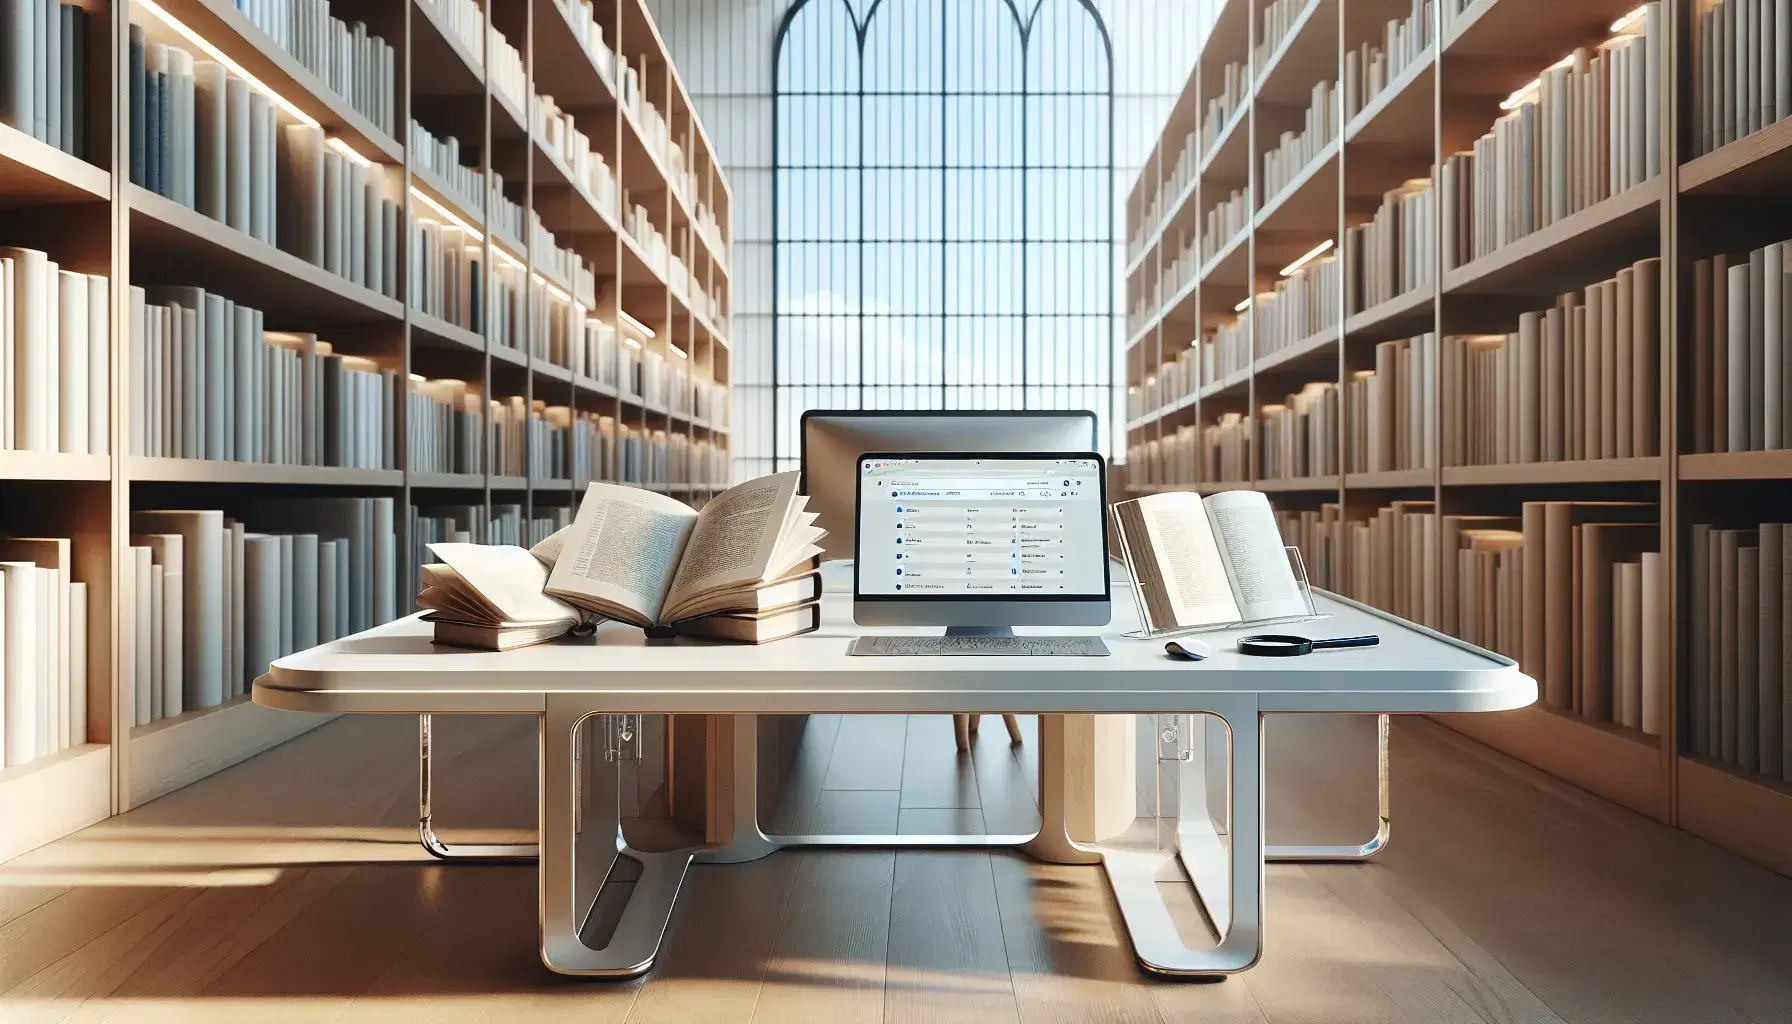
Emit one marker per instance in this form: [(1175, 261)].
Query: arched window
[(943, 214)]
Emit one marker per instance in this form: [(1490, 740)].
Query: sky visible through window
[(944, 208)]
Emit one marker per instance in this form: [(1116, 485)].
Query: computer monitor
[(981, 541), (833, 440)]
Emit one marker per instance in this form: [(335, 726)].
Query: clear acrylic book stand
[(1153, 630)]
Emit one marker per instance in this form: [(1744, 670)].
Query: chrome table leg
[(426, 833)]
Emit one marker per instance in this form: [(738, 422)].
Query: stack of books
[(745, 568), (1295, 150), (1303, 305), (1300, 434), (443, 426)]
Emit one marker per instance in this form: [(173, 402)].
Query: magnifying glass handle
[(1369, 640)]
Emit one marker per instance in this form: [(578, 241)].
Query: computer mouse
[(1187, 650)]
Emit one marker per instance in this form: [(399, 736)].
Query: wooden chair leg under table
[(965, 725)]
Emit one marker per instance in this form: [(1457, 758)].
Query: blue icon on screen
[(899, 556), (899, 540), (898, 586), (1014, 572), (899, 572), (892, 494), (1067, 483)]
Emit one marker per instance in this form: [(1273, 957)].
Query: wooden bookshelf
[(1728, 200), (91, 218)]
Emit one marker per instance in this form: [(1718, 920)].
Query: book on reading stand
[(1209, 562), (744, 568)]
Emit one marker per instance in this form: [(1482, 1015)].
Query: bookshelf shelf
[(447, 481), (33, 173), (1772, 465), (1399, 117), (1589, 471), (22, 465), (1399, 317), (210, 471), (187, 247), (1391, 480), (429, 331), (1281, 485), (110, 225), (441, 65), (1580, 247), (1442, 104), (1298, 61), (1754, 165), (221, 26)]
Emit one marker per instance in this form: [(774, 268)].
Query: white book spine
[(21, 661), (99, 365), (72, 329)]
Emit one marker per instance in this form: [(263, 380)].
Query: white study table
[(394, 669)]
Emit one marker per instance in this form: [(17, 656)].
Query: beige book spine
[(1748, 625), (1608, 370), (1645, 361), (1623, 333), (1701, 356), (1655, 630), (1531, 658)]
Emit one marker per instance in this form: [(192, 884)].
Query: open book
[(1209, 562), (651, 560), (489, 596)]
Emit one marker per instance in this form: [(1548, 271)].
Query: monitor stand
[(979, 630)]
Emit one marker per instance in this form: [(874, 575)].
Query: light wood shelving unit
[(1724, 201), (90, 218)]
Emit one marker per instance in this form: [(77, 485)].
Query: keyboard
[(1009, 646)]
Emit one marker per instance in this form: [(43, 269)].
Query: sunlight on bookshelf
[(1303, 304), (1278, 20), (1392, 254)]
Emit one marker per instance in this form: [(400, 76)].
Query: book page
[(507, 580), (625, 544), (1255, 557), (547, 550), (1187, 558), (736, 537)]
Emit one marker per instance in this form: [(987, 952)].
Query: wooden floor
[(289, 889)]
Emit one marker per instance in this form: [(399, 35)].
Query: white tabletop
[(395, 669)]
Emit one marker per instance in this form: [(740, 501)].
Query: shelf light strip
[(628, 320), (1318, 250), (1242, 306)]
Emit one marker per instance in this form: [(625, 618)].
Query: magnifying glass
[(1281, 645)]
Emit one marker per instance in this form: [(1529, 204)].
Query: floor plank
[(828, 964), (946, 958)]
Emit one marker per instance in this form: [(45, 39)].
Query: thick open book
[(1209, 562), (489, 595), (651, 560)]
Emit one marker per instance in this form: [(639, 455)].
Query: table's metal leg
[(568, 865), (1384, 821), (426, 833), (1227, 873)]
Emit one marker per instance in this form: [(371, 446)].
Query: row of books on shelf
[(1223, 222), (505, 71), (208, 602), (560, 262), (44, 617), (640, 226), (1276, 21), (43, 72), (1299, 435), (1220, 108), (560, 134), (208, 382), (55, 356), (204, 138), (1393, 252), (345, 57), (1575, 592), (442, 158), (1395, 429), (1743, 78), (1302, 304), (1575, 381), (1294, 151), (708, 228), (1586, 129), (1177, 275), (1739, 697), (1182, 171), (1372, 66), (1741, 308)]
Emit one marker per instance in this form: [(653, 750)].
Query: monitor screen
[(1003, 527)]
